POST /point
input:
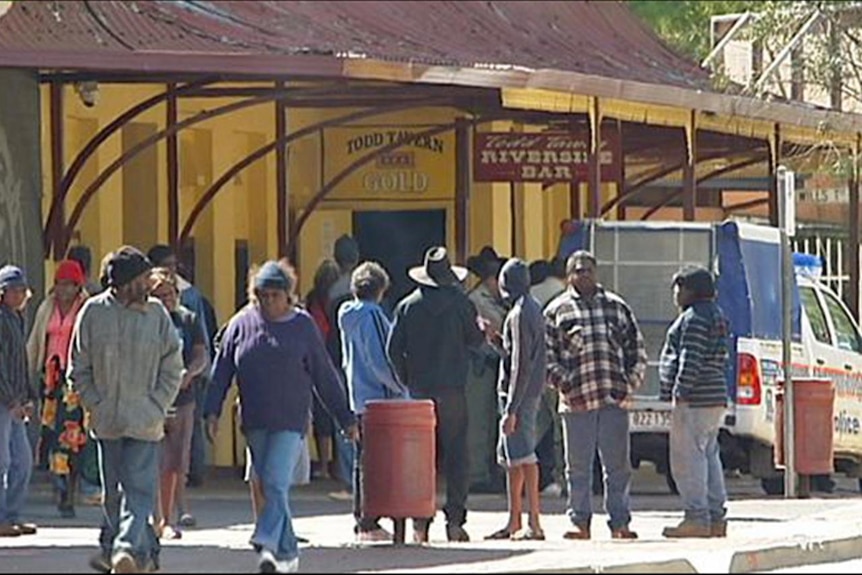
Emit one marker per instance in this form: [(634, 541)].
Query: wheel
[(772, 485), (671, 482)]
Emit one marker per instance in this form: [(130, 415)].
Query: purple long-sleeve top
[(277, 364)]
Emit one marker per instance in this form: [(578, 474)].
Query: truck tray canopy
[(638, 260)]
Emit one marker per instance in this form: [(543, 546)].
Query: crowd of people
[(534, 366)]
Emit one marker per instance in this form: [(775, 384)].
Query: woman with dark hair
[(317, 304), (177, 443), (63, 436), (278, 357)]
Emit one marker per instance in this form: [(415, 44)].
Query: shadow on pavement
[(385, 557), (208, 559)]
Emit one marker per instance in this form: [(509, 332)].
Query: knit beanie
[(69, 270), (514, 279), (126, 264), (697, 279)]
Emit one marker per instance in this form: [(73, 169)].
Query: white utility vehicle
[(638, 260)]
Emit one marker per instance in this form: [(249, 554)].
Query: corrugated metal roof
[(594, 38)]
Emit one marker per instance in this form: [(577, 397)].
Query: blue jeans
[(274, 455), (197, 455), (130, 476), (695, 461), (16, 464), (346, 456), (608, 429)]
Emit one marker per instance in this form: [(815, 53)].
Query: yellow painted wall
[(244, 210)]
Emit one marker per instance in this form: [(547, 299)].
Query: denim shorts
[(520, 447)]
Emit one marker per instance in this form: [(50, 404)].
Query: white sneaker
[(267, 562), (289, 566), (553, 489)]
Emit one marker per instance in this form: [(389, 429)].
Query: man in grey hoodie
[(522, 378), (126, 363)]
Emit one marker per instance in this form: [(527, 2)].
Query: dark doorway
[(398, 241)]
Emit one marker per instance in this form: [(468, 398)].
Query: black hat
[(126, 264), (436, 271), (697, 279), (486, 264)]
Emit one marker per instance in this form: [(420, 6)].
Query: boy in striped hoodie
[(692, 373)]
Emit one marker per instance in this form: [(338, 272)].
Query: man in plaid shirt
[(596, 359)]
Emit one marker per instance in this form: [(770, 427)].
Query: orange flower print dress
[(63, 431)]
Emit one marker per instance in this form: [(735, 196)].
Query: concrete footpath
[(763, 534)]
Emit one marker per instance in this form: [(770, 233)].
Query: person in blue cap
[(17, 398), (279, 359)]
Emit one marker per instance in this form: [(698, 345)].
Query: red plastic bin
[(814, 405), (398, 459)]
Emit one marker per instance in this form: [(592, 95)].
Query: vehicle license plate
[(650, 419)]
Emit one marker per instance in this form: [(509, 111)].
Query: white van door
[(842, 362)]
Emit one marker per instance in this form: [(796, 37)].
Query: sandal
[(503, 533), (529, 534)]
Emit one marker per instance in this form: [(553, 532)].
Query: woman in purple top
[(277, 355)]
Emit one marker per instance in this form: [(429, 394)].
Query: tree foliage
[(824, 67), (684, 24)]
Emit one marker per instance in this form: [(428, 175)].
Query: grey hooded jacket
[(522, 376), (126, 364)]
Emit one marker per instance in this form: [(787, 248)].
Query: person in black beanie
[(126, 365), (692, 374)]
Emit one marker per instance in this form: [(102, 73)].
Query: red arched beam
[(90, 148), (638, 186), (746, 205), (143, 145), (338, 178), (216, 186), (724, 170)]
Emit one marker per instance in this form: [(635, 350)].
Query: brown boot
[(686, 529), (26, 528), (8, 530), (718, 528), (581, 532), (623, 533)]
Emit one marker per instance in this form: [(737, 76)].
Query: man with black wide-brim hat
[(434, 327), (486, 476)]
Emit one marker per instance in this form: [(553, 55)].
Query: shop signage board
[(546, 157), (423, 166)]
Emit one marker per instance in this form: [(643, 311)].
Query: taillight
[(748, 391)]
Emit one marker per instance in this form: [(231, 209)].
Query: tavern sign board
[(545, 157)]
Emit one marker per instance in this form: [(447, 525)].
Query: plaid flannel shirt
[(596, 352)]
